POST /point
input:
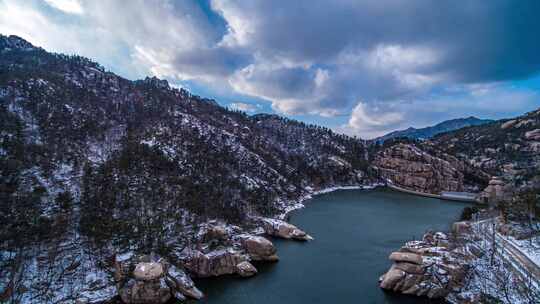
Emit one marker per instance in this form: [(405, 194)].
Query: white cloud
[(239, 29), (22, 19), (371, 122), (291, 90), (492, 100), (400, 57), (66, 6)]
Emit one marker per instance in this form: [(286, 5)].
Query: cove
[(354, 231)]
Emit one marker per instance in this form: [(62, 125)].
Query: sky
[(360, 67)]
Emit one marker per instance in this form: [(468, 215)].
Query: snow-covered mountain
[(78, 138), (89, 157)]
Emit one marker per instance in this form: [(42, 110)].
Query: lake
[(354, 231)]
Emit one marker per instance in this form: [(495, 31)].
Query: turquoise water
[(354, 233)]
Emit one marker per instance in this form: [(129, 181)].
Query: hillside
[(431, 131), (99, 164), (466, 158), (509, 148)]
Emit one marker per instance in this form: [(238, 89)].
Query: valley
[(121, 190)]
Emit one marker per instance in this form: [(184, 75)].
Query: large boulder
[(145, 292), (282, 229), (180, 282), (214, 263), (215, 232), (426, 268), (259, 248), (149, 279), (148, 271), (406, 257), (391, 278), (246, 269), (496, 191), (460, 228)]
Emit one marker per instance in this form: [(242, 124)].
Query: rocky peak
[(14, 42), (156, 82)]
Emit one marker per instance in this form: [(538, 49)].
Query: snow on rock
[(425, 268), (282, 229), (259, 248)]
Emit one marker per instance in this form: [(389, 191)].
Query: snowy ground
[(507, 269), (530, 248), (299, 204)]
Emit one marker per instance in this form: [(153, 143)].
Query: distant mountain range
[(429, 132)]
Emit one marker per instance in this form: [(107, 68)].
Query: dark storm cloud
[(382, 50), (210, 62), (478, 40), (506, 47)]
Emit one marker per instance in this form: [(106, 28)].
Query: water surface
[(354, 233)]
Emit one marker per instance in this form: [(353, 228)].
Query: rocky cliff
[(407, 165), (432, 267), (466, 159)]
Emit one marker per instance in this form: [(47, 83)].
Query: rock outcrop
[(151, 280), (406, 257), (246, 269), (181, 283), (215, 233), (145, 284), (428, 268), (533, 134), (496, 191), (459, 228), (148, 271), (145, 292), (215, 263), (282, 229), (259, 248), (407, 166)]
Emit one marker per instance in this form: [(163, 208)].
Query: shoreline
[(432, 195), (299, 203)]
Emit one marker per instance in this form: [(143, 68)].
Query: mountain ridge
[(431, 131), (91, 127)]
